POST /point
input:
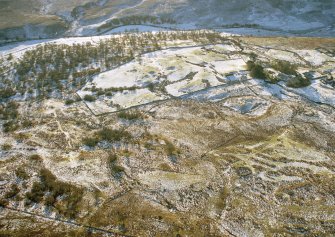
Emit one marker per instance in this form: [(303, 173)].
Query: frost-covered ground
[(165, 74), (213, 73), (18, 49), (221, 151)]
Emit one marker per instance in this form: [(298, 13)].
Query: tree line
[(52, 70)]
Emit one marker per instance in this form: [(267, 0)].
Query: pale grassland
[(20, 12), (294, 42)]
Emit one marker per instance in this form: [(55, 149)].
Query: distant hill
[(53, 18)]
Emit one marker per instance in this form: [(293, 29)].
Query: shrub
[(117, 170), (71, 195), (100, 92), (10, 57), (36, 194), (256, 70), (298, 82), (69, 102), (113, 135), (165, 167), (71, 202), (6, 147), (222, 198), (90, 141), (7, 93), (112, 158), (9, 111), (21, 173), (36, 158), (3, 202), (21, 136), (151, 87), (14, 190), (10, 126), (50, 200), (119, 89), (89, 98), (106, 134), (149, 146), (26, 123), (130, 115), (170, 148), (271, 76), (284, 67), (47, 178), (253, 56)]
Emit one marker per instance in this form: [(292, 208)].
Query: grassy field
[(291, 42), (22, 12)]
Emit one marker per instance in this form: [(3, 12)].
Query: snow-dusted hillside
[(188, 69), (43, 18), (212, 73), (169, 133)]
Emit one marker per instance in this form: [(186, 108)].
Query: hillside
[(42, 18), (179, 133), (167, 118)]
